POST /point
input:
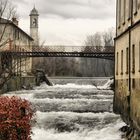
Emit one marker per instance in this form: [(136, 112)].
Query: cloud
[(78, 8), (95, 9), (68, 21), (59, 31), (19, 2), (71, 31)]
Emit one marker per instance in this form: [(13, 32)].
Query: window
[(127, 60), (16, 34), (138, 4), (135, 5), (118, 12), (139, 56), (129, 9), (117, 63), (124, 10), (133, 59), (122, 62), (133, 83)]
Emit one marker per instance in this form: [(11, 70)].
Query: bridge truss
[(68, 51), (14, 59)]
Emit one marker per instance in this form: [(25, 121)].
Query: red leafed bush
[(15, 117)]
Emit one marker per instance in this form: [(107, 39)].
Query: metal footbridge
[(103, 52)]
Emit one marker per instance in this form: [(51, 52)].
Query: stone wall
[(17, 83), (128, 106), (122, 100), (135, 104), (127, 66)]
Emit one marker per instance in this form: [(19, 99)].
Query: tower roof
[(34, 12)]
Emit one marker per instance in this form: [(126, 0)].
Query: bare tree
[(94, 66), (93, 42), (108, 37), (10, 67), (108, 40), (90, 65), (7, 11)]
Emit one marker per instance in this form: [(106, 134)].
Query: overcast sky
[(67, 22)]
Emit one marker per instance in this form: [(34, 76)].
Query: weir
[(73, 111)]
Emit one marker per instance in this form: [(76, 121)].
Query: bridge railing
[(59, 49), (84, 49), (7, 54)]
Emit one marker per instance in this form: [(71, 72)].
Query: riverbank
[(18, 83)]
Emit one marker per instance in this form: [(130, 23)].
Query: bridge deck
[(62, 54), (88, 51)]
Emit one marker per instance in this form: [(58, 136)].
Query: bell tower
[(34, 26)]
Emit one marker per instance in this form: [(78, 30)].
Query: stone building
[(34, 26), (127, 62), (14, 38), (34, 34)]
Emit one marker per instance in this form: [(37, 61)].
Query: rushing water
[(73, 112)]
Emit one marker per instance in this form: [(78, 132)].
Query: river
[(73, 109)]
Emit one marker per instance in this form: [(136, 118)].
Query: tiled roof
[(5, 21)]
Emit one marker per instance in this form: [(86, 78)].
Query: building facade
[(127, 62), (14, 38)]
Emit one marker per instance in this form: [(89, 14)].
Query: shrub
[(15, 117)]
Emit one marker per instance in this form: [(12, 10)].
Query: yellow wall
[(127, 97)]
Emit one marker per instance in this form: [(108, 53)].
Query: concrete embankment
[(17, 83), (96, 81)]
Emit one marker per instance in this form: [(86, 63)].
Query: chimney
[(15, 21)]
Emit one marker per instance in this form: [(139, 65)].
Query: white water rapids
[(73, 112)]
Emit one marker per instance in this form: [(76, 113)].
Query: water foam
[(106, 85), (79, 126), (108, 133)]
